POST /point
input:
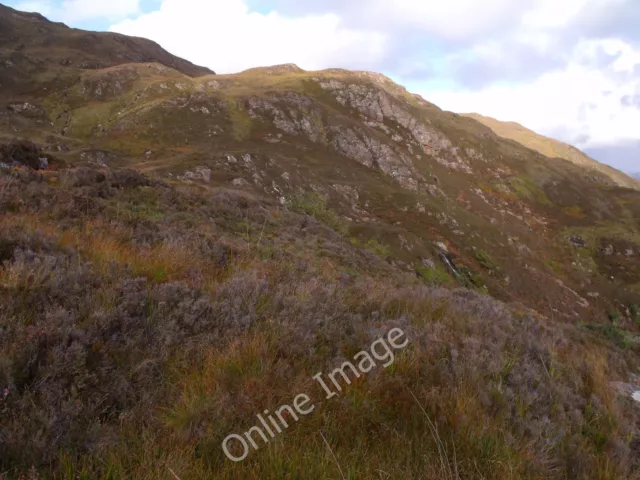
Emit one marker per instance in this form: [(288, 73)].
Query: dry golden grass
[(553, 148)]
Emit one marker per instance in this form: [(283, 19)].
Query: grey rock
[(240, 182)]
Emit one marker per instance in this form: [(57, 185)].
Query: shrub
[(24, 153), (485, 260), (436, 276), (470, 279), (314, 204), (612, 333), (372, 245)]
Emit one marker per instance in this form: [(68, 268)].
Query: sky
[(568, 69)]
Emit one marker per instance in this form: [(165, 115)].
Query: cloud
[(72, 11), (226, 36), (573, 103)]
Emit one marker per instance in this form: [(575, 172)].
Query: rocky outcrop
[(297, 114), (293, 113), (370, 151), (379, 106)]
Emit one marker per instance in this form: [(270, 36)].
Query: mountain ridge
[(553, 148), (26, 41)]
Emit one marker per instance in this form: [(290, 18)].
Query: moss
[(485, 260), (437, 276)]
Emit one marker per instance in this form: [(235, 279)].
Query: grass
[(314, 204), (240, 120), (187, 334), (485, 260), (381, 250), (614, 334), (437, 276), (574, 211), (526, 188)]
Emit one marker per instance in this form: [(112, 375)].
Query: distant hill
[(553, 148), (32, 46)]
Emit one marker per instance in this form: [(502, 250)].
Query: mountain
[(33, 47), (553, 148), (181, 252)]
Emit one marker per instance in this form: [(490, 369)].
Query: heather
[(143, 320)]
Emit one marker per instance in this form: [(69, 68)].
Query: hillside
[(33, 47), (553, 148), (180, 252)]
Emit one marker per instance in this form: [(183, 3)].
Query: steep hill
[(180, 253), (33, 47), (553, 148)]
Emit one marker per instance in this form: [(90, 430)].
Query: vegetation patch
[(241, 121), (26, 154), (525, 188), (617, 335), (436, 276), (485, 260), (574, 211), (372, 245), (314, 204)]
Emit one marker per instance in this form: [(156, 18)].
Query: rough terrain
[(181, 250)]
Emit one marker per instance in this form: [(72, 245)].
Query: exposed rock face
[(378, 106), (297, 114), (369, 151), (200, 174), (380, 109), (293, 113)]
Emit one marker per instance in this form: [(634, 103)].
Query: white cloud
[(580, 103), (452, 19), (71, 11), (78, 10), (552, 14), (226, 36)]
